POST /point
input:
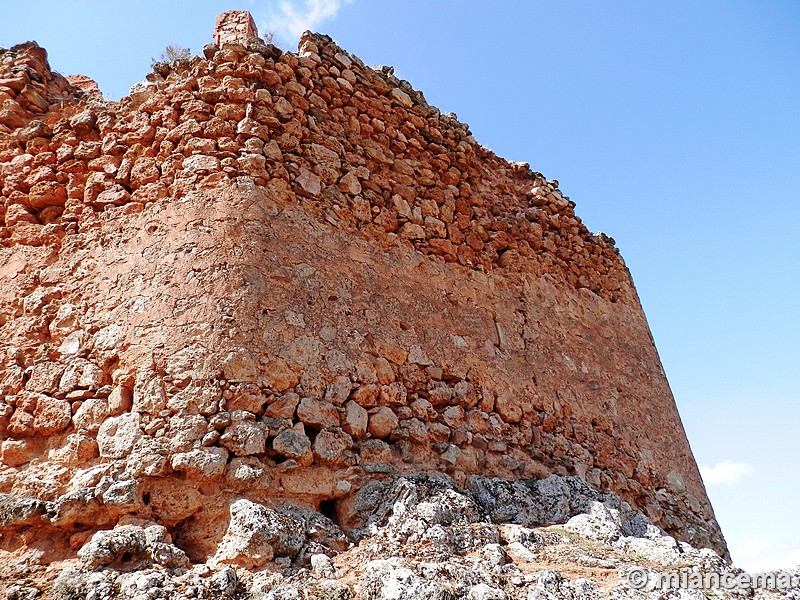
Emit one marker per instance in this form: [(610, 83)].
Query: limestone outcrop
[(419, 537), (265, 281)]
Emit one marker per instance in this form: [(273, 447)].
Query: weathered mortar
[(278, 275)]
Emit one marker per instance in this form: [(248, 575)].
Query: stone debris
[(257, 535), (127, 543)]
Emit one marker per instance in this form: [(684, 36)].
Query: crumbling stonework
[(84, 84), (275, 277), (234, 27)]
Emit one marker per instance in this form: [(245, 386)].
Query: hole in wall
[(328, 509)]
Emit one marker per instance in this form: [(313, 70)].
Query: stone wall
[(278, 275)]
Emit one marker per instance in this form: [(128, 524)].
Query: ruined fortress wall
[(278, 275)]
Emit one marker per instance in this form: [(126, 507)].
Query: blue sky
[(674, 126)]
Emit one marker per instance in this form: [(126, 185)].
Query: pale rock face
[(322, 565), (484, 592), (121, 495), (151, 543), (119, 401), (244, 438), (200, 163), (202, 463), (77, 450), (390, 580), (148, 393), (257, 534), (442, 542), (65, 321), (184, 431), (117, 436), (91, 414), (402, 98)]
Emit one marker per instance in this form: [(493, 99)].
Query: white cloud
[(726, 472), (759, 555), (292, 17)]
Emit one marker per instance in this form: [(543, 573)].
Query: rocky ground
[(416, 537)]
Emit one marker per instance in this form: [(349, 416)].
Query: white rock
[(322, 565), (245, 438), (484, 592), (521, 552), (392, 580), (494, 554), (148, 393), (118, 435), (201, 463), (256, 534), (201, 163), (142, 90)]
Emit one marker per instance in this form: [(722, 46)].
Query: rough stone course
[(274, 277)]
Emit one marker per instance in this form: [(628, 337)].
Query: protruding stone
[(234, 27), (349, 184), (318, 413), (383, 422), (85, 84), (202, 463), (293, 443), (355, 419), (244, 438), (117, 436), (39, 414), (256, 534)]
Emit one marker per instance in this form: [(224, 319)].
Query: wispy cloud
[(726, 472), (290, 18)]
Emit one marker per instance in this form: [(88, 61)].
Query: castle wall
[(279, 275)]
